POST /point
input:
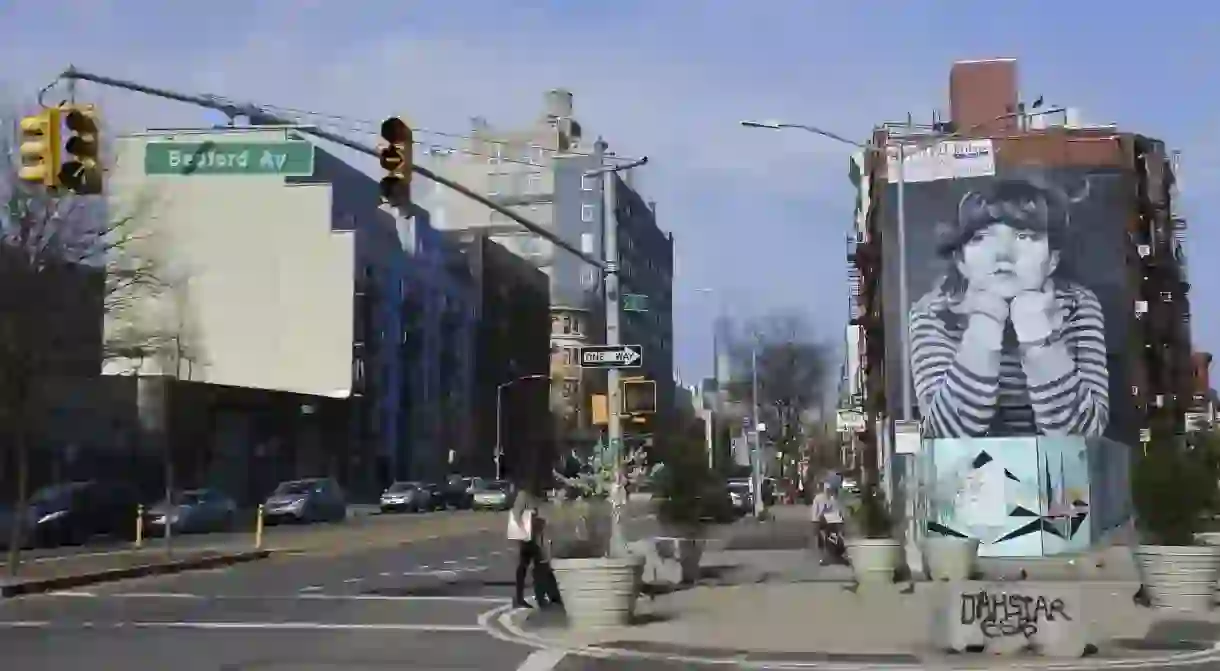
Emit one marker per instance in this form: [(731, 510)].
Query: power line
[(370, 124)]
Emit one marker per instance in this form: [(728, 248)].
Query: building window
[(588, 182), (586, 212), (539, 155), (533, 182), (493, 182), (569, 356), (570, 388)]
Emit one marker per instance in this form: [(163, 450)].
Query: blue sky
[(759, 216)]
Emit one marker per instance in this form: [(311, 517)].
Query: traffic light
[(639, 397), (395, 159), (81, 174), (40, 148)]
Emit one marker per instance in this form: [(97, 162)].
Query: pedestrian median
[(53, 572), (48, 574), (761, 606)]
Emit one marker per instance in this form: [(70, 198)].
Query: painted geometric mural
[(1020, 497)]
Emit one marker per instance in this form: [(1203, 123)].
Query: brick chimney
[(980, 91)]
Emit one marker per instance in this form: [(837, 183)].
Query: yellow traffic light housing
[(40, 148), (82, 174), (396, 159), (639, 397)]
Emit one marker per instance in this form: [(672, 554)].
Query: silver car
[(493, 495), (406, 497), (311, 500)]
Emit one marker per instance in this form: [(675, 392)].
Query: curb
[(41, 586), (505, 623)]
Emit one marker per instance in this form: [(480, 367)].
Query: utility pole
[(756, 462), (614, 391)]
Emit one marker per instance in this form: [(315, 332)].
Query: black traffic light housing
[(81, 174), (395, 159), (639, 397)]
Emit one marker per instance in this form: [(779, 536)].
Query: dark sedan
[(192, 511)]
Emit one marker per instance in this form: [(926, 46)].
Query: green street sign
[(293, 158), (635, 303)]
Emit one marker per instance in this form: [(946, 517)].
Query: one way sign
[(611, 356)]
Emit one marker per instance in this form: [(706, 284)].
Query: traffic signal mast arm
[(258, 116)]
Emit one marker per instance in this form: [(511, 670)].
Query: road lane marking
[(450, 562), (385, 574), (545, 659), (311, 588), (74, 593), (352, 581), (282, 626), (405, 597), (156, 595), (472, 558), (307, 626)]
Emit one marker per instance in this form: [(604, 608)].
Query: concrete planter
[(599, 592), (873, 560), (1179, 578), (949, 557)]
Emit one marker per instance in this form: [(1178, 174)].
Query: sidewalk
[(780, 604)]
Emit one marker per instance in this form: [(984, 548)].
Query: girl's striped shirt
[(1058, 389)]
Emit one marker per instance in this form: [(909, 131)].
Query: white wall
[(267, 299)]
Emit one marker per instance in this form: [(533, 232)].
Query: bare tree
[(66, 263), (793, 369)]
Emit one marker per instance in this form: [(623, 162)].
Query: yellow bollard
[(258, 529), (140, 526)]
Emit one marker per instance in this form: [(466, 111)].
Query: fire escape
[(865, 257), (1161, 382)]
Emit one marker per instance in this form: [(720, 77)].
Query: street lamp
[(499, 454)]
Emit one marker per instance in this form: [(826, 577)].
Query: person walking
[(523, 528), (827, 512)]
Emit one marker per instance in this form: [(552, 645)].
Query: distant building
[(538, 172), (646, 258), (511, 363)]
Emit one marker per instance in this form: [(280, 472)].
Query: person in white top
[(521, 530), (827, 513)]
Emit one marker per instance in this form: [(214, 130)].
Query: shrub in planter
[(871, 547), (1173, 488), (683, 489)]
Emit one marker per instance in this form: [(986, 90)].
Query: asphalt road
[(412, 607)]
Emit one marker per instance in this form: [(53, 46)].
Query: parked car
[(493, 495), (851, 486), (192, 511), (308, 500), (740, 498), (458, 492), (406, 497), (73, 513), (436, 495)]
